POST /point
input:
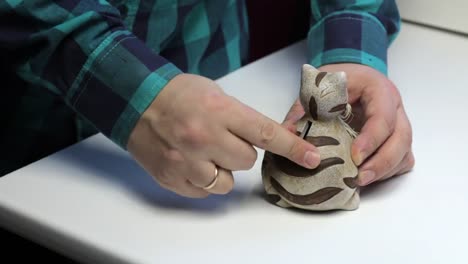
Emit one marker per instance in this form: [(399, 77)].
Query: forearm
[(81, 51), (352, 31)]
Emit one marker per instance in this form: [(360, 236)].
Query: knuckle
[(193, 134), (408, 136), (215, 101), (227, 188), (394, 92), (410, 161), (250, 160), (173, 155), (293, 151), (389, 124), (386, 166), (228, 184), (267, 133), (371, 145), (198, 179)]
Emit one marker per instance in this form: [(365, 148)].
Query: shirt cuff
[(117, 83), (349, 37)]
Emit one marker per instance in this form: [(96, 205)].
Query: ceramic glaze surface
[(332, 185)]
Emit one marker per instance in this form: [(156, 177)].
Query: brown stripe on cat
[(294, 170), (317, 197), (319, 78), (313, 108), (338, 108), (351, 182), (322, 141)]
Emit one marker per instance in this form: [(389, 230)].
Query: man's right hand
[(193, 126)]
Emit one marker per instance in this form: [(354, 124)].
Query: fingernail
[(312, 159), (359, 158), (366, 177)]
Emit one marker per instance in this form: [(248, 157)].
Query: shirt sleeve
[(356, 31), (80, 50)]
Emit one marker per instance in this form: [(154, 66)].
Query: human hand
[(192, 126), (383, 147)]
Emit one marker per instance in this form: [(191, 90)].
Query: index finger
[(267, 134)]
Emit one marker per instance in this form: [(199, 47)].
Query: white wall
[(449, 14)]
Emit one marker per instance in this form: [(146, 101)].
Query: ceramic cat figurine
[(332, 185)]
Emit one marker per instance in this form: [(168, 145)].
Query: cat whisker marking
[(325, 93), (338, 108)]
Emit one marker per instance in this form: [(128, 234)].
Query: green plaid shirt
[(71, 68)]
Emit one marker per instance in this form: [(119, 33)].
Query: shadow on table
[(118, 167)]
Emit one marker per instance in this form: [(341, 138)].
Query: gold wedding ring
[(214, 181)]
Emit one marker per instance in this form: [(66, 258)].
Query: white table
[(93, 203), (449, 14)]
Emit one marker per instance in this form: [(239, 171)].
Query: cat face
[(323, 94)]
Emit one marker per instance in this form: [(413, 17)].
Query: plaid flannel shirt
[(71, 67)]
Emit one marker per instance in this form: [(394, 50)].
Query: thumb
[(293, 116)]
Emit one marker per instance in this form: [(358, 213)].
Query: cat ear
[(310, 74), (339, 80), (340, 76), (308, 86), (311, 77)]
